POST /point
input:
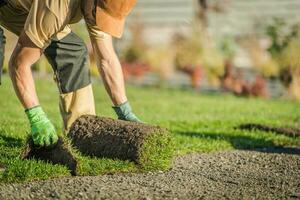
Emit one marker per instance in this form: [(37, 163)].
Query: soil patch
[(223, 175), (61, 154), (292, 132), (146, 145)]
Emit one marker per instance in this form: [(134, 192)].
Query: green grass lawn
[(198, 123)]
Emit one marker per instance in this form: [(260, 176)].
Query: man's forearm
[(111, 71), (112, 76), (23, 57)]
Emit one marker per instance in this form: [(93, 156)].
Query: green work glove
[(124, 112), (42, 130)]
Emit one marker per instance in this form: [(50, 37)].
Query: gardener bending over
[(43, 28)]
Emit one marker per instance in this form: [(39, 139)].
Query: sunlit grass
[(198, 123)]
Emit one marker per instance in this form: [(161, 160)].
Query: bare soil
[(259, 174)]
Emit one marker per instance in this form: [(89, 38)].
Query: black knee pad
[(69, 60)]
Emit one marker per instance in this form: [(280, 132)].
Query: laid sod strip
[(292, 132), (146, 145), (61, 153)]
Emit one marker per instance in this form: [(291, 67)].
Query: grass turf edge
[(156, 153)]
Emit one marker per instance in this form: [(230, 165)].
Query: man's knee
[(69, 59)]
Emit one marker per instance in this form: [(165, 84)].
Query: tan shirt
[(43, 20)]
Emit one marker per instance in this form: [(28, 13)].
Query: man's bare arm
[(24, 56), (110, 69), (112, 75)]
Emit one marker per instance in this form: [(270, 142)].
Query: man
[(43, 28)]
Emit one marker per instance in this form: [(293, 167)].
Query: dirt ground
[(259, 174)]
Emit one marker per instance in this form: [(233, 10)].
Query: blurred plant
[(133, 56), (227, 48), (213, 64), (262, 60), (161, 61), (285, 49), (233, 79), (189, 50), (290, 74), (135, 50), (280, 35), (195, 51)]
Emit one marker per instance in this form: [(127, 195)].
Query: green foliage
[(290, 55), (213, 64), (227, 48), (197, 122), (280, 35), (189, 49), (285, 50)]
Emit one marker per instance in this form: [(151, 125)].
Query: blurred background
[(247, 48)]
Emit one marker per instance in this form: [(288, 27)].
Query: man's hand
[(42, 130), (125, 112)]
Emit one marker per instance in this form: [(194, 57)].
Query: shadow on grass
[(244, 142), (288, 131), (8, 141)]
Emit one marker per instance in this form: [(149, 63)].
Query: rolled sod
[(61, 153), (146, 145)]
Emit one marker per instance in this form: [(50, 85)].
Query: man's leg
[(2, 51), (69, 59)]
